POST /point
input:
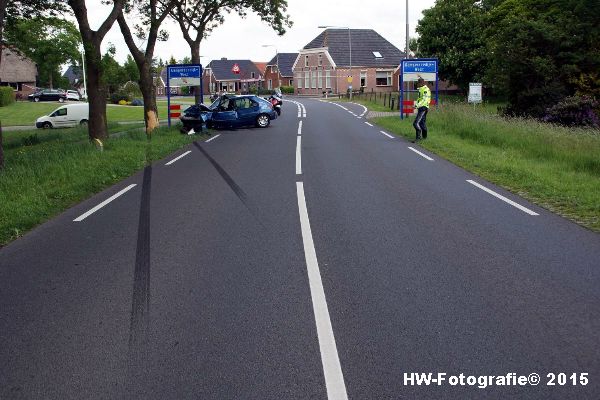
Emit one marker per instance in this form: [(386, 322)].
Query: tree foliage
[(452, 31), (49, 41), (535, 52)]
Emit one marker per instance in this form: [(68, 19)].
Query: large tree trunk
[(148, 92), (196, 60), (96, 92), (91, 42)]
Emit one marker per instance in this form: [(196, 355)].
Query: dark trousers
[(420, 123)]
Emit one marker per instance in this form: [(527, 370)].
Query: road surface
[(321, 258)]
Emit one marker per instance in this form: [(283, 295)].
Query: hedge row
[(7, 96)]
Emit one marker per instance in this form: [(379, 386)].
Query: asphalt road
[(317, 259)]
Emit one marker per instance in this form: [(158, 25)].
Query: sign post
[(411, 70), (475, 93), (183, 75)]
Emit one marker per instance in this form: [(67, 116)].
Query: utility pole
[(407, 33)]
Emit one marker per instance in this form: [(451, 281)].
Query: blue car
[(236, 111)]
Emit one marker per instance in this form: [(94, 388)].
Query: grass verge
[(555, 167), (43, 179), (25, 113)]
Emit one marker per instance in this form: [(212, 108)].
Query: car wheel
[(263, 120), (61, 100), (83, 122), (36, 99), (47, 125)]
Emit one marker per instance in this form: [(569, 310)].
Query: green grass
[(555, 167), (25, 113), (41, 180)]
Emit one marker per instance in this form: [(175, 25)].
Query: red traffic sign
[(235, 69)]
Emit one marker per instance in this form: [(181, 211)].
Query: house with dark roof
[(17, 71), (75, 75), (219, 76), (339, 59), (279, 70)]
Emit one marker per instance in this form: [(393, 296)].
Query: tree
[(131, 70), (114, 76), (49, 41), (93, 62), (31, 8), (452, 31), (198, 18), (543, 51), (153, 13)]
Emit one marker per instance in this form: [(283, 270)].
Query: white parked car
[(73, 95), (65, 116)]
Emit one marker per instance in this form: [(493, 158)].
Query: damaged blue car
[(229, 112)]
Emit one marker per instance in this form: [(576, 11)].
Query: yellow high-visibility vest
[(424, 97)]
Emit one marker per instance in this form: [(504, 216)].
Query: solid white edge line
[(105, 202), (387, 134), (499, 196), (300, 128), (213, 138), (334, 378), (371, 125), (421, 154), (178, 158), (299, 156)]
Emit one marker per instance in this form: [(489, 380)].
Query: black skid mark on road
[(140, 307), (239, 192)]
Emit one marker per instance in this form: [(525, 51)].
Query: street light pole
[(349, 45), (407, 33), (83, 69)]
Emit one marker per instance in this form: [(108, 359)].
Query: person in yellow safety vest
[(422, 106)]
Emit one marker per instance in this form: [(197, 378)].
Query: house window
[(299, 80), (320, 60), (307, 79), (377, 54), (314, 79), (306, 61), (252, 75), (363, 78), (328, 79), (320, 79), (270, 84), (291, 82), (383, 78)]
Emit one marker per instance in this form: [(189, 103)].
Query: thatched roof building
[(17, 71)]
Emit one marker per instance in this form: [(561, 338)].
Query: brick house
[(219, 77), (17, 71), (284, 76), (325, 64)]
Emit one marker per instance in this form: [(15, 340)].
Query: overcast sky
[(243, 38)]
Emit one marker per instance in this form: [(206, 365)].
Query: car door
[(225, 115), (247, 110), (60, 117)]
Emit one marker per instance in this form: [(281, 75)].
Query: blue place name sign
[(416, 67), (185, 72)]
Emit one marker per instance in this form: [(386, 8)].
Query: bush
[(575, 111), (287, 89), (116, 97), (7, 96)]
